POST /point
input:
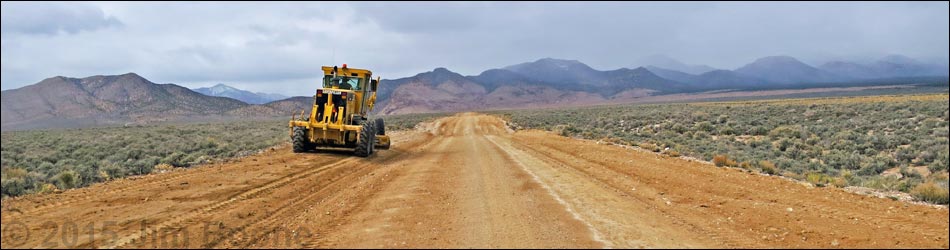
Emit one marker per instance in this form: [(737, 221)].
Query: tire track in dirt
[(612, 214), (461, 193), (95, 198), (285, 214), (748, 206), (251, 193), (344, 200), (725, 238), (395, 171)]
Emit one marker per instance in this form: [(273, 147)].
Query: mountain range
[(551, 82), (249, 97), (63, 102), (122, 99)]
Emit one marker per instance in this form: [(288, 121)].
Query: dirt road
[(462, 182)]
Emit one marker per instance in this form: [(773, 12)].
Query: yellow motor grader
[(340, 114)]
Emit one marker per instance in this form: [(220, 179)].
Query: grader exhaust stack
[(340, 114)]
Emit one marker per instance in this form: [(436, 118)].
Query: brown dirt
[(467, 182)]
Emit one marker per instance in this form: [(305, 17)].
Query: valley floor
[(461, 182)]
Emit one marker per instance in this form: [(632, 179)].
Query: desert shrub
[(905, 155), (723, 161), (840, 182), (745, 165), (786, 132), (565, 130), (13, 187), (672, 153), (889, 183), (161, 168), (727, 130), (819, 179), (938, 165), (679, 128), (768, 167), (67, 179), (908, 173), (930, 192), (649, 146), (113, 172), (876, 166), (926, 156), (704, 126), (758, 131)]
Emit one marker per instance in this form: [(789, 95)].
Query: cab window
[(355, 83)]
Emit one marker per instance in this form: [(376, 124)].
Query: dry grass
[(768, 167), (723, 161), (672, 153), (930, 192), (650, 147)]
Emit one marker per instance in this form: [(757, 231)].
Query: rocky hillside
[(105, 100)]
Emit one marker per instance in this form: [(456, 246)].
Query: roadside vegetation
[(409, 121), (61, 159), (50, 160), (895, 143)]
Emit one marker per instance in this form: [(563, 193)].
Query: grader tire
[(300, 140), (366, 141), (380, 126)]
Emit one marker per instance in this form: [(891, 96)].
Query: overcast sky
[(279, 47)]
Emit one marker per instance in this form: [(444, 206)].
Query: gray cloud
[(48, 18), (279, 47)]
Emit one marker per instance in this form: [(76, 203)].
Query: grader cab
[(340, 114)]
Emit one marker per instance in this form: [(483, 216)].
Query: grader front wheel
[(367, 140), (301, 143)]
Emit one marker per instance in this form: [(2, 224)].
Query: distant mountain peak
[(131, 76), (900, 59), (224, 90), (558, 61), (553, 63), (442, 70), (666, 62), (558, 71), (439, 74), (778, 59), (787, 69)]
